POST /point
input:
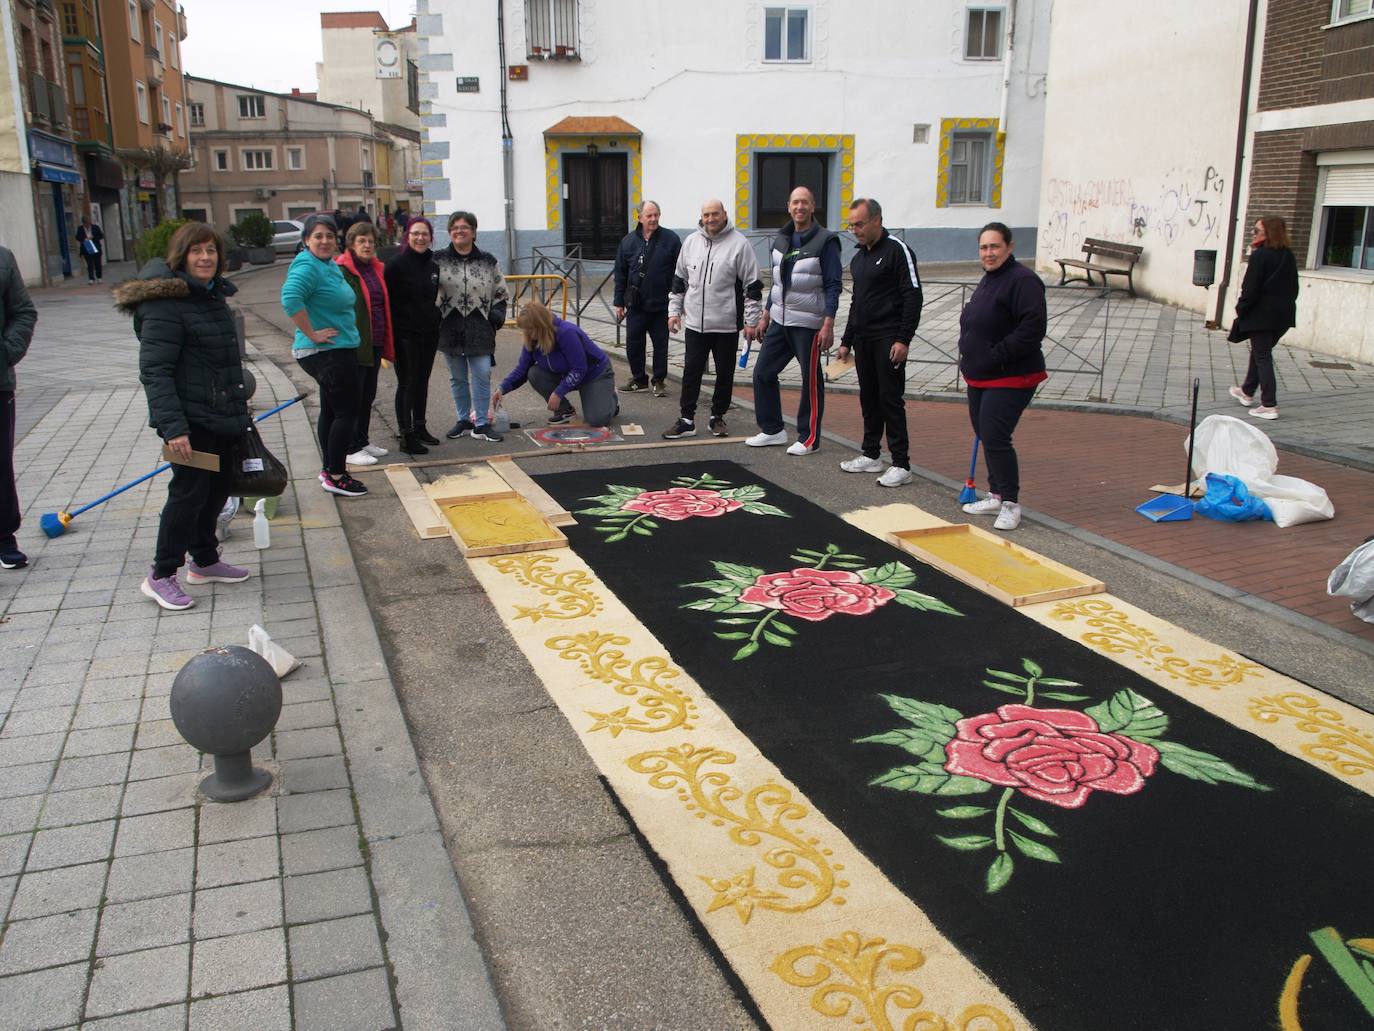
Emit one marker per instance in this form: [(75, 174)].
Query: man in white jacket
[(716, 292)]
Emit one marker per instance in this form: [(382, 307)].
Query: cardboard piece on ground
[(424, 514), (198, 460), (520, 481), (994, 565), (499, 526), (631, 429), (1195, 491), (835, 368)]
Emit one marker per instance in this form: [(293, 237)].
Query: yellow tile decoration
[(554, 146), (747, 143), (948, 126)]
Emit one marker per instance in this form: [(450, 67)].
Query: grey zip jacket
[(716, 285)]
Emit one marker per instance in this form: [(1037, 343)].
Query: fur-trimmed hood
[(157, 282)]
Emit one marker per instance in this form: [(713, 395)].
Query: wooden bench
[(1126, 252)]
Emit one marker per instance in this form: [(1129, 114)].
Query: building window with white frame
[(166, 112), (1347, 10), (172, 49), (551, 29), (983, 34), (197, 115), (252, 106), (255, 160), (135, 22), (787, 34), (1347, 217), (141, 92), (158, 35), (221, 161), (180, 122), (295, 158), (970, 168)]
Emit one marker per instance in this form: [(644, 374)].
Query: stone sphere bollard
[(224, 701)]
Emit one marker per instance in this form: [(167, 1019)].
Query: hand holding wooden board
[(198, 460)]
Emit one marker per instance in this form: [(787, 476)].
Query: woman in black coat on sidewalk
[(412, 281), (189, 365), (1267, 308)]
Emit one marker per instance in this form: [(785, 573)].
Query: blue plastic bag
[(1228, 499)]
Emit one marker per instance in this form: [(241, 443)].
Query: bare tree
[(160, 162)]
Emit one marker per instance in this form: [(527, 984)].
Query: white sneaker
[(1263, 412), (894, 477), (1241, 396), (862, 464), (800, 449), (361, 458), (989, 505), (375, 451), (767, 439), (1009, 518)]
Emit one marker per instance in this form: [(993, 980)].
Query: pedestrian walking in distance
[(884, 311), (1266, 310), (644, 266), (91, 239)]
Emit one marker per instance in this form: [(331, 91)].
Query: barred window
[(551, 29)]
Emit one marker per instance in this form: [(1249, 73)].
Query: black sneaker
[(344, 485), (460, 427), (487, 433), (660, 388), (13, 559), (562, 415), (631, 385), (718, 427), (424, 436), (681, 428), (411, 445)]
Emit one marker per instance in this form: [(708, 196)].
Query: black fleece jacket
[(412, 281), (886, 293), (1268, 301), (1003, 324), (647, 264)]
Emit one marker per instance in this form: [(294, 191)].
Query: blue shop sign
[(57, 175), (51, 149)]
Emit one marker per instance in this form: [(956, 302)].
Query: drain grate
[(1342, 366)]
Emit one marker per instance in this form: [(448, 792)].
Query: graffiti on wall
[(1184, 207)]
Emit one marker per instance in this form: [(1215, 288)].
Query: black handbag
[(253, 471)]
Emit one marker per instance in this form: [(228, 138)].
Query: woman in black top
[(412, 281), (1000, 333), (1267, 308)]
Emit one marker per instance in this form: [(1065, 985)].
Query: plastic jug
[(262, 529)]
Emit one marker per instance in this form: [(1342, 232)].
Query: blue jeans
[(470, 380)]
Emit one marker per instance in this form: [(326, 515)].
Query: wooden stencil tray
[(498, 526), (994, 565)]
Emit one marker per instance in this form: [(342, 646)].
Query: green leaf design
[(606, 529), (650, 523), (621, 491), (964, 812), (1060, 696), (1032, 667), (725, 606), (1020, 692), (1031, 823), (920, 743), (840, 564), (749, 492), (617, 536), (1002, 674), (892, 574), (759, 508), (806, 554), (924, 602), (1033, 849), (733, 635), (639, 529), (1056, 682), (1203, 766), (740, 574), (607, 513), (969, 843), (738, 621), (748, 650), (782, 627), (778, 639), (930, 716), (929, 779), (727, 587), (1130, 714), (999, 872)]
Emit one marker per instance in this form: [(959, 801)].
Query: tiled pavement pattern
[(126, 902)]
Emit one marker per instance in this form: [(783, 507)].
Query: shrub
[(253, 230), (153, 243)]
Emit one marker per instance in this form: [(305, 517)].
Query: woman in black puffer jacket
[(1266, 310), (189, 366)]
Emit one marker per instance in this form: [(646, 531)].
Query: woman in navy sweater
[(557, 359), (1000, 333)]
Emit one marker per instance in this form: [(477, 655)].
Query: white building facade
[(934, 109)]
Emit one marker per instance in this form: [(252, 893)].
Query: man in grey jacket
[(17, 319), (716, 293)]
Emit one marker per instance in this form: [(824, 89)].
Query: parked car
[(287, 238)]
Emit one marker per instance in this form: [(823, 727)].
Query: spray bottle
[(262, 529)]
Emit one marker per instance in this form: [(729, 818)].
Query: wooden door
[(595, 213)]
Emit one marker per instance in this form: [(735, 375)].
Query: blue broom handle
[(167, 465), (973, 461)]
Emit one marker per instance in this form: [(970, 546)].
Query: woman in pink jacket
[(365, 274)]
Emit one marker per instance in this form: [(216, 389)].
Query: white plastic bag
[(282, 661), (1354, 578), (1231, 447)]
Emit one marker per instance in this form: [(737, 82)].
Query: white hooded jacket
[(716, 285)]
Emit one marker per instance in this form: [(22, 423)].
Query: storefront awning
[(104, 173), (605, 125), (53, 174)]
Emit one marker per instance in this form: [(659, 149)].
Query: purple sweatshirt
[(574, 357)]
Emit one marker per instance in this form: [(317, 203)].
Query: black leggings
[(414, 363), (367, 393), (336, 371), (195, 498), (1259, 374), (994, 412)]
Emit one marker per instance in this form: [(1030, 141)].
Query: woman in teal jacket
[(321, 304)]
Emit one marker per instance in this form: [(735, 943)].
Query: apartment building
[(282, 155)]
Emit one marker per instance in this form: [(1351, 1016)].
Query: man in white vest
[(799, 323)]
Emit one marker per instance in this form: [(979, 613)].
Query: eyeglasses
[(855, 226)]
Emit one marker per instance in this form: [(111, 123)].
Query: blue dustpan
[(1167, 508)]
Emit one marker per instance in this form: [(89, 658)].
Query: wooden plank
[(536, 495), (424, 515), (499, 526), (469, 484), (994, 565), (557, 449)]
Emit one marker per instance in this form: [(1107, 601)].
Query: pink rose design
[(816, 594), (679, 503), (1055, 755)]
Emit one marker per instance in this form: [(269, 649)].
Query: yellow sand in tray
[(999, 564), (497, 522)]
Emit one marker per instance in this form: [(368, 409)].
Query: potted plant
[(254, 233)]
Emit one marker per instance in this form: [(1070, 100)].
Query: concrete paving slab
[(239, 962), (139, 980), (237, 862), (46, 998), (67, 888), (267, 1009), (350, 1002), (150, 875), (146, 924), (237, 909), (335, 947), (327, 896), (47, 941)]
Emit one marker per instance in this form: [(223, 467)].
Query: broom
[(970, 493), (55, 524)]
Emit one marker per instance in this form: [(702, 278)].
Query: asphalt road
[(579, 927)]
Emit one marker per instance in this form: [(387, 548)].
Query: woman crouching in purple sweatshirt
[(1000, 333), (559, 358)]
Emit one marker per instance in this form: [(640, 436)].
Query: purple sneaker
[(167, 592), (216, 573)]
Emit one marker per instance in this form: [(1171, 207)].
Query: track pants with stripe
[(780, 345)]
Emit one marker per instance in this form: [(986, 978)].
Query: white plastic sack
[(281, 660), (1354, 578), (1234, 448)]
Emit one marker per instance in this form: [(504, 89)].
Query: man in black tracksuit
[(884, 311)]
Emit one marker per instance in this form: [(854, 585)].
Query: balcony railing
[(47, 100)]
